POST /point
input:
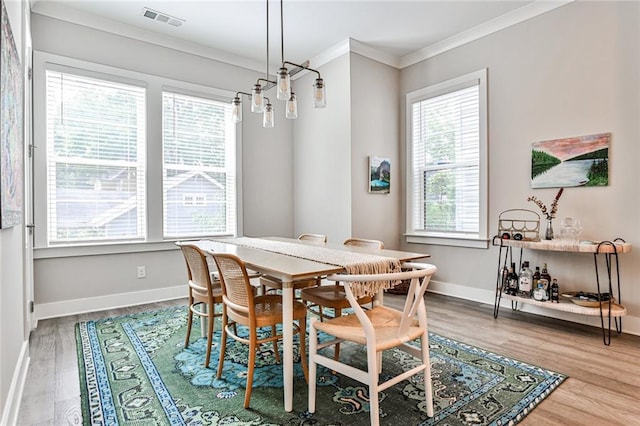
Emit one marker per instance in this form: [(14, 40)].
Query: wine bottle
[(525, 279), (545, 281), (513, 280), (555, 291)]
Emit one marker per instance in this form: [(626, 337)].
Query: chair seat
[(274, 283), (330, 296), (385, 321), (268, 309)]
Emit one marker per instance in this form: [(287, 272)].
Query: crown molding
[(514, 17)]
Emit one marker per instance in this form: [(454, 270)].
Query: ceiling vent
[(161, 17)]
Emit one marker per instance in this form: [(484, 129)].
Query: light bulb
[(284, 84), (319, 94), (236, 110), (267, 118), (292, 107), (257, 99)]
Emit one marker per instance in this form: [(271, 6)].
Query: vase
[(548, 233)]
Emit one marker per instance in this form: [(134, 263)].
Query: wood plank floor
[(603, 386)]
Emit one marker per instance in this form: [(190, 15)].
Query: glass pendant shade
[(292, 107), (267, 118), (236, 110), (283, 84), (257, 99), (319, 94)]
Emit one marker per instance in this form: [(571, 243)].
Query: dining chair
[(332, 296), (378, 329), (242, 307), (205, 292), (268, 283)]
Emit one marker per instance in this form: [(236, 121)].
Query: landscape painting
[(379, 175), (577, 161), (11, 137)]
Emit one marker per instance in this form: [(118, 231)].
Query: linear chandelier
[(284, 90)]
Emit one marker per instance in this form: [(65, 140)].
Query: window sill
[(469, 242)]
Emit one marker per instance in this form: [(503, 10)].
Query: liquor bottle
[(545, 281), (536, 278), (504, 280), (513, 280), (525, 280), (555, 291)]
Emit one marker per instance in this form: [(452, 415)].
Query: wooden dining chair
[(332, 296), (378, 329), (268, 283), (205, 292), (242, 307)]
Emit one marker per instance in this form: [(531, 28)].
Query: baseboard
[(111, 301), (12, 405), (631, 324)]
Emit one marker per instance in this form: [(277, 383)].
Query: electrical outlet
[(142, 272)]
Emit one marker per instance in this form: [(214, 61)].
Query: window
[(127, 161), (198, 167), (447, 149), (95, 159)]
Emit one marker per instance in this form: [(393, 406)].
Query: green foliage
[(541, 162), (599, 173), (594, 155)]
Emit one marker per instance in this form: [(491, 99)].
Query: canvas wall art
[(379, 175), (576, 161), (11, 134)]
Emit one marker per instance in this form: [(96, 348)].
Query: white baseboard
[(14, 397), (111, 301), (631, 324)]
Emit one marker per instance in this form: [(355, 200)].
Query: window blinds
[(95, 159), (446, 161), (199, 183)]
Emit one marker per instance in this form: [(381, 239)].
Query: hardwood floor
[(603, 385)]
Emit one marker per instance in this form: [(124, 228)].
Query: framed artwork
[(11, 127), (577, 161), (379, 175)]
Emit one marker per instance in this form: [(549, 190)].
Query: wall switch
[(142, 272)]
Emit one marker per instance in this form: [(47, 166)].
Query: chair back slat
[(236, 286), (362, 242), (316, 238)]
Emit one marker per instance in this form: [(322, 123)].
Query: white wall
[(570, 72), (322, 155), (13, 340), (79, 283), (375, 121)]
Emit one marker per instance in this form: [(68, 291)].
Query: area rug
[(135, 370)]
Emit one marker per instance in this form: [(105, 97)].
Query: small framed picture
[(379, 175)]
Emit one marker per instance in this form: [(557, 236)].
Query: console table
[(611, 277)]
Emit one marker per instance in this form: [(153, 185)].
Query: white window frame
[(155, 86), (480, 240)]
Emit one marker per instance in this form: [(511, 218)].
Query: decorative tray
[(589, 300)]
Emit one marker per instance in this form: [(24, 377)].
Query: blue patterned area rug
[(134, 369)]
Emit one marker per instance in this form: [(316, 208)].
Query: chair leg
[(372, 361), (275, 344), (210, 316), (302, 327), (223, 342), (336, 353), (189, 321), (428, 387), (250, 366), (313, 348)]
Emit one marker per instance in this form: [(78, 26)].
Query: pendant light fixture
[(284, 91)]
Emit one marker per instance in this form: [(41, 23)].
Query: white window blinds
[(199, 184), (445, 157), (95, 135)]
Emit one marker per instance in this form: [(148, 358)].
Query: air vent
[(162, 17)]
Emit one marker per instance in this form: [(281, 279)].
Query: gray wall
[(13, 338), (570, 72)]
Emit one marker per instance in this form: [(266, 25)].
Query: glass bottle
[(545, 281), (525, 280), (513, 280), (555, 291), (536, 278)]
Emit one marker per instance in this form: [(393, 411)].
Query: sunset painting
[(577, 161)]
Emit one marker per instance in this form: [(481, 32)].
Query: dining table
[(289, 260)]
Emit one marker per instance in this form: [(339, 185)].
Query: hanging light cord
[(282, 32)]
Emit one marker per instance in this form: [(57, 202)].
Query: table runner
[(352, 262)]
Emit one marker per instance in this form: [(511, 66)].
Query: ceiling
[(235, 30)]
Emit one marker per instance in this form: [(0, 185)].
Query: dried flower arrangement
[(554, 205)]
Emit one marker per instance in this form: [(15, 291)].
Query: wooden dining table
[(290, 268)]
